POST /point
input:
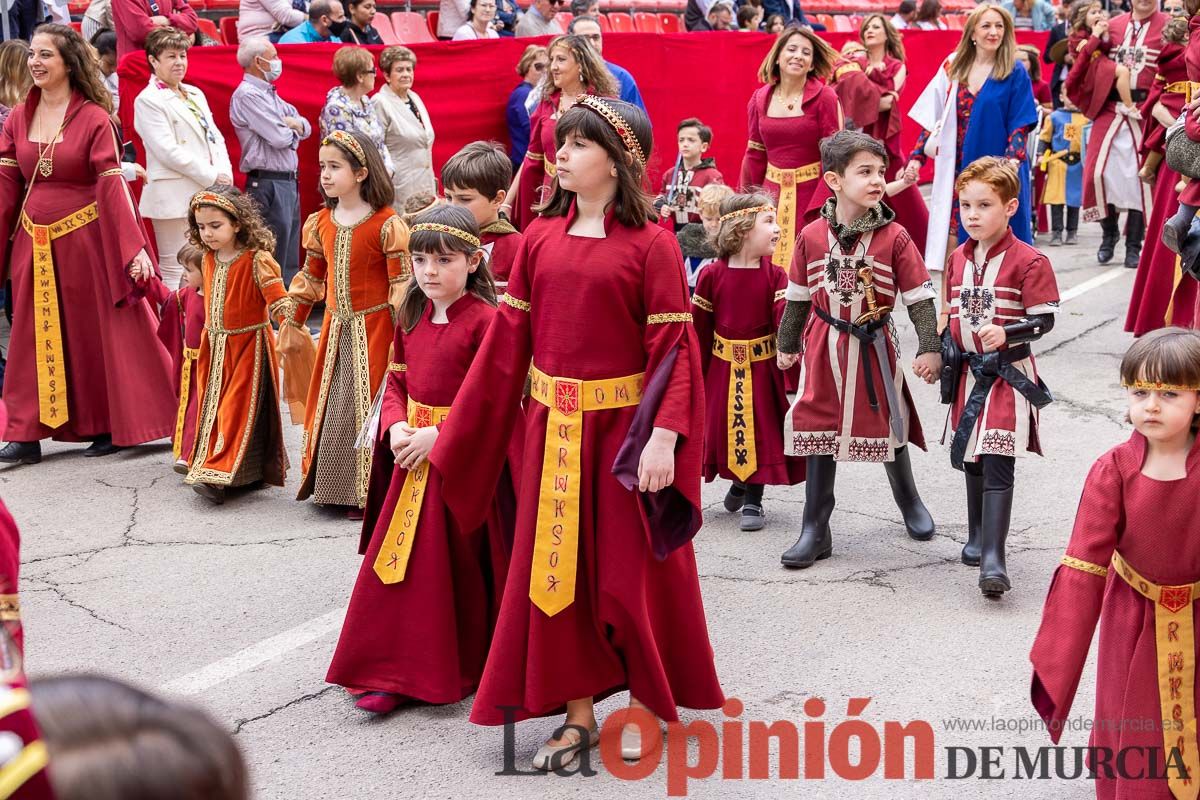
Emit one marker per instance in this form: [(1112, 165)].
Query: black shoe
[(213, 494), (753, 517), (1108, 240), (815, 542), (735, 497), (993, 573), (1056, 239), (1135, 232), (970, 551), (917, 520), (1175, 230), (101, 446), (21, 453)]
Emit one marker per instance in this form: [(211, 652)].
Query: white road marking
[(1092, 283), (269, 649), (256, 654)]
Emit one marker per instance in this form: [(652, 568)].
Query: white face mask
[(274, 69)]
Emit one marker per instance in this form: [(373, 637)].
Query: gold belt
[(1188, 89), (1175, 646), (392, 561), (190, 354), (47, 322), (556, 545), (786, 180), (742, 457)]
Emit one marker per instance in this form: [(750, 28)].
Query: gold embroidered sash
[(1175, 645), (741, 455), (786, 180), (190, 354), (556, 545), (47, 322), (392, 561), (1188, 89)]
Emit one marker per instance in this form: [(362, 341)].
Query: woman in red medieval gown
[(96, 370)]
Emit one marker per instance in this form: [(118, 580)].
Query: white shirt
[(466, 32)]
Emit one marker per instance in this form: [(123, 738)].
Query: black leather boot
[(815, 542), (917, 520), (1108, 239), (101, 446), (735, 497), (1135, 232), (993, 574), (21, 453), (970, 551)]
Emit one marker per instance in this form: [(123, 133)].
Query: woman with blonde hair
[(15, 79), (407, 128), (576, 69), (787, 120), (980, 103)]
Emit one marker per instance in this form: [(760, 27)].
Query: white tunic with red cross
[(832, 414), (1013, 281)]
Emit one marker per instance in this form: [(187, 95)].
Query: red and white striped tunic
[(1013, 282)]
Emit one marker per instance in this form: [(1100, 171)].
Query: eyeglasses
[(556, 2), (539, 66)]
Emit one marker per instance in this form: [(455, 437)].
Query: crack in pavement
[(1077, 337), (241, 723), (63, 596), (1091, 409)]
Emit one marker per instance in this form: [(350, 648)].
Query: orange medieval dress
[(359, 271), (239, 437)]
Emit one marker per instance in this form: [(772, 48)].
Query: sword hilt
[(874, 310)]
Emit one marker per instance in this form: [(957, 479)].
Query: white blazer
[(181, 159), (410, 143)]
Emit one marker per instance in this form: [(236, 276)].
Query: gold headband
[(618, 123), (215, 200), (745, 212), (1157, 386), (437, 227), (344, 139)]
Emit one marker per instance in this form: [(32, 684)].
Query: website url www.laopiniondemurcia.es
[(853, 749)]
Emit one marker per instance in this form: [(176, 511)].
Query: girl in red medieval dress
[(787, 120), (425, 602), (67, 219), (1132, 563), (602, 593), (575, 70), (737, 306)]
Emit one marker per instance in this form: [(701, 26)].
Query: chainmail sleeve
[(791, 326), (923, 314)]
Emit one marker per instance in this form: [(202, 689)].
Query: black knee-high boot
[(993, 572), (917, 520), (1111, 232), (815, 542), (970, 551), (1135, 232)]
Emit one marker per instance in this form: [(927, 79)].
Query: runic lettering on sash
[(48, 342), (556, 546), (741, 456), (1175, 647), (391, 564)]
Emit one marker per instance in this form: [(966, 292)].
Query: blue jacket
[(518, 123), (791, 11), (1042, 13), (629, 87), (304, 33)]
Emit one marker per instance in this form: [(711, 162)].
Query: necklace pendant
[(45, 167)]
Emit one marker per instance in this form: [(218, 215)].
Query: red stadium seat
[(605, 25), (671, 23), (229, 32), (842, 23), (646, 22), (77, 7), (621, 22), (222, 5), (410, 27), (209, 28), (383, 24), (824, 19), (431, 20)]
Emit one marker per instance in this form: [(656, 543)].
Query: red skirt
[(1159, 287), (637, 623), (427, 637), (770, 408)]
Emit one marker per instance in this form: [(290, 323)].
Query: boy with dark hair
[(680, 198), (477, 178), (849, 268)]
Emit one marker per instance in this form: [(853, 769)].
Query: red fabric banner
[(466, 85)]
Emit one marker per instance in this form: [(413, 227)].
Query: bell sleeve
[(12, 189), (308, 287), (122, 232), (393, 240)]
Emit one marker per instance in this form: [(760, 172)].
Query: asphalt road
[(127, 572)]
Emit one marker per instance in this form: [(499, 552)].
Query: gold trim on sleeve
[(1085, 566), (9, 162), (394, 367), (520, 305), (110, 172), (658, 319), (703, 303), (753, 145)]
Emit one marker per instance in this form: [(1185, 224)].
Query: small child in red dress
[(680, 198), (736, 310), (1002, 297), (425, 602), (850, 268), (180, 330), (1132, 564), (477, 178)]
